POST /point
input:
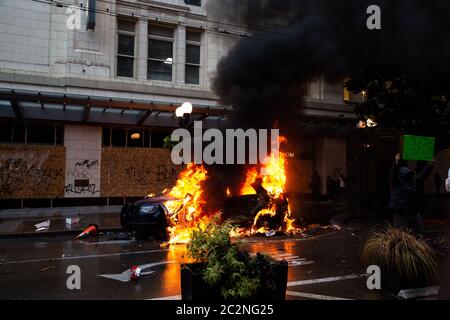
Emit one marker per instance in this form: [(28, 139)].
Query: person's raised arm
[(425, 173)]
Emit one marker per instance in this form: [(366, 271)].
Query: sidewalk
[(20, 222)]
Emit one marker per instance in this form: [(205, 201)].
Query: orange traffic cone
[(92, 230)]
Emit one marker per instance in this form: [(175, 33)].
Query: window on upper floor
[(193, 2), (193, 45), (126, 47), (160, 52)]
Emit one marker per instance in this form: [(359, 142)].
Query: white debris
[(42, 226), (71, 221)]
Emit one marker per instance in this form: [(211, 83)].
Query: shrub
[(237, 274), (406, 260)]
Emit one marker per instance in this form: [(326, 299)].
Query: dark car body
[(146, 217), (150, 216)]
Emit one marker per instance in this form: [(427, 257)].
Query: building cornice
[(111, 84)]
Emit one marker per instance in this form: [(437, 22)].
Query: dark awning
[(32, 105)]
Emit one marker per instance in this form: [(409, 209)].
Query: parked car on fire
[(147, 217), (151, 217)]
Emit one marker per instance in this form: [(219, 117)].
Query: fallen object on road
[(42, 226), (47, 268), (126, 275), (135, 273), (92, 230), (418, 293), (71, 221)]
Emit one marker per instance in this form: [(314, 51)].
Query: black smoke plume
[(295, 41)]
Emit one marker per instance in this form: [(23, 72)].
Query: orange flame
[(186, 211)]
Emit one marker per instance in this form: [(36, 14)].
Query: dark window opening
[(197, 3), (146, 139), (59, 135), (193, 45), (158, 139), (40, 134), (6, 133), (160, 52), (125, 48), (135, 138), (19, 133), (106, 137), (118, 138)]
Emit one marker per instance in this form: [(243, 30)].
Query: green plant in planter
[(404, 260), (237, 274)]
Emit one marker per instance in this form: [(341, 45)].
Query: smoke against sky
[(295, 41)]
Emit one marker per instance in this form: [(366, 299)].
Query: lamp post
[(183, 114)]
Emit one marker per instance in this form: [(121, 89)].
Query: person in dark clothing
[(404, 197), (314, 184), (330, 187), (437, 182)]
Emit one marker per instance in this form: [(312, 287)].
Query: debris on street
[(42, 226), (71, 221), (47, 268), (135, 273)]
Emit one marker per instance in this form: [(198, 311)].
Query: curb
[(52, 233)]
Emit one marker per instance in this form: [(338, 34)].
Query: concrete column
[(180, 58), (142, 49), (83, 161)]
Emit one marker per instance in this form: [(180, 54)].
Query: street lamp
[(369, 123), (183, 114)]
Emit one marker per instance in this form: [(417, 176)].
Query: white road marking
[(168, 298), (299, 283), (87, 243), (292, 260), (84, 257), (313, 296), (322, 280)]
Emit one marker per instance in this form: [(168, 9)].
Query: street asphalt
[(325, 266)]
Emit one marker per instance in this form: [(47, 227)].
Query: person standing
[(404, 197), (437, 182), (314, 184)]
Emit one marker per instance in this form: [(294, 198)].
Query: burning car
[(146, 217), (259, 206), (151, 217)]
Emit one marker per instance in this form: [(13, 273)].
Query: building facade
[(88, 90)]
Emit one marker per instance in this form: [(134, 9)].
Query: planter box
[(193, 287), (394, 284)]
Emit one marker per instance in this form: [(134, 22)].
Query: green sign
[(418, 148)]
